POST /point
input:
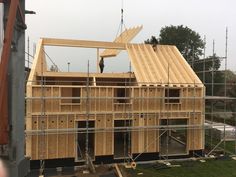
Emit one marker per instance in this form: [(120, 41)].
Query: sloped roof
[(162, 66)]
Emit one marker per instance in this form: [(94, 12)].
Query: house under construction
[(156, 111)]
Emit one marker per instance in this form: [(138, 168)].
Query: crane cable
[(122, 24)]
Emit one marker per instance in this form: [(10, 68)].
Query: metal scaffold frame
[(214, 98)]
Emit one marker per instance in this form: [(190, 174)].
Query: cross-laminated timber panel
[(51, 146), (161, 65), (146, 108)]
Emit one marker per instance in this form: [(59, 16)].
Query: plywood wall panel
[(48, 102), (109, 102), (62, 138), (34, 139), (52, 138), (151, 134), (195, 135), (109, 136), (103, 100), (71, 137), (55, 102), (141, 134), (36, 103), (99, 136), (42, 139), (135, 135)]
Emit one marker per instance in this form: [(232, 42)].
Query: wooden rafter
[(124, 37), (163, 65)]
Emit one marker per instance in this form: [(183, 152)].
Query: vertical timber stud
[(3, 71)]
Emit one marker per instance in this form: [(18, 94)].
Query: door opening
[(122, 139), (173, 141), (81, 140)]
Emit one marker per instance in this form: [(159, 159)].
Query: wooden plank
[(52, 139), (109, 136), (151, 134), (146, 65), (174, 66), (71, 146), (28, 120), (185, 74), (152, 62), (141, 145), (48, 102), (137, 67), (82, 43), (192, 74), (34, 140), (84, 75), (195, 137), (37, 66), (125, 37), (62, 146), (99, 137), (135, 135), (171, 65), (118, 172), (42, 139), (55, 102)]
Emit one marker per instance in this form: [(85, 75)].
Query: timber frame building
[(154, 112)]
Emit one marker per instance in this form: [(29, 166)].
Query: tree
[(208, 71), (153, 40), (230, 89), (54, 68), (231, 92), (186, 40)]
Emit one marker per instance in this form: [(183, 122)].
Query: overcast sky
[(100, 19)]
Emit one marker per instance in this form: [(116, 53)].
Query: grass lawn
[(211, 168)]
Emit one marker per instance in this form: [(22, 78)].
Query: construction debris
[(118, 172), (203, 161)]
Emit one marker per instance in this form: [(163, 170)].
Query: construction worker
[(101, 64), (154, 46)]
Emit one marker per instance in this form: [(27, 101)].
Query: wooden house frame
[(139, 115)]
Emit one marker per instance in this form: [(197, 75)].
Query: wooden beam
[(125, 37), (38, 62), (81, 74), (83, 43)]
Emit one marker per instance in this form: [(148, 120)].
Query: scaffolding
[(221, 138)]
